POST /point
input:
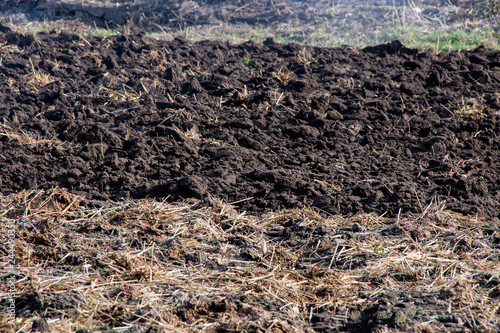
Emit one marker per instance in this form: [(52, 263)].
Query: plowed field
[(384, 129), (175, 186)]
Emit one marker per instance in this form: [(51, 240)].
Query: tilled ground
[(156, 137), (384, 129)]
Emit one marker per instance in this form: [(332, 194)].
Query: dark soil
[(384, 129)]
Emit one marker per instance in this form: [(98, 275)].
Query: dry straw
[(205, 266)]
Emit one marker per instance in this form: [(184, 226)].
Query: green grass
[(323, 32), (249, 62), (317, 35), (35, 27), (231, 33), (443, 40), (101, 32)]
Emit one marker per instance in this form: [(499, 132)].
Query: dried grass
[(471, 110), (26, 138), (38, 78), (283, 75), (203, 265), (303, 56)]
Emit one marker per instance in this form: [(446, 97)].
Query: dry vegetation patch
[(204, 266), (26, 138)]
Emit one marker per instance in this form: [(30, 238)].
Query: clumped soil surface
[(383, 130)]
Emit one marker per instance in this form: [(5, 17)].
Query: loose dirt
[(384, 129)]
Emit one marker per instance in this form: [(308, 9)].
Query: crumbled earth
[(385, 129)]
